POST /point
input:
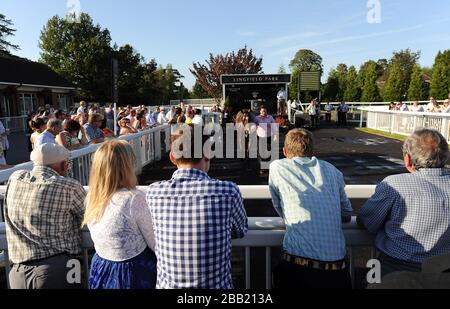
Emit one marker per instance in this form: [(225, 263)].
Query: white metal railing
[(147, 146), (405, 123), (15, 124), (265, 233)]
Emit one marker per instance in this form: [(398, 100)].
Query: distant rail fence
[(405, 123), (148, 147)]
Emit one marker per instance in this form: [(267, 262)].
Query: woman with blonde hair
[(119, 221)]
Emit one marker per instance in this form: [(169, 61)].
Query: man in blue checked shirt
[(194, 218), (410, 213), (309, 195)]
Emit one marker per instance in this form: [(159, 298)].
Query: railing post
[(392, 123), (157, 142), (247, 268), (445, 128), (268, 268)]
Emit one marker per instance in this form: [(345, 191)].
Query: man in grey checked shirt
[(43, 215), (194, 218), (410, 213)]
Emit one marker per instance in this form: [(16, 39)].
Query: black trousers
[(291, 276), (328, 117), (314, 121)]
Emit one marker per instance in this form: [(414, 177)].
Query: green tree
[(305, 60), (169, 84), (341, 71), (241, 62), (131, 75), (370, 91), (198, 92), (440, 79), (6, 30), (393, 91), (352, 90), (416, 91), (405, 61), (81, 52), (332, 87)]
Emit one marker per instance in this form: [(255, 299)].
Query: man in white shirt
[(54, 127), (282, 107), (162, 117), (198, 119), (171, 113), (328, 110)]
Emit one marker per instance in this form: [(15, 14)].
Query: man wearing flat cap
[(43, 214)]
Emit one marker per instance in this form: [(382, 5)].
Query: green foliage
[(405, 61), (332, 87), (82, 53), (370, 91), (352, 91), (198, 92), (440, 80), (393, 90), (305, 60), (6, 31), (416, 91)]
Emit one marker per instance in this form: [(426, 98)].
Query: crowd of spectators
[(432, 107), (178, 235)]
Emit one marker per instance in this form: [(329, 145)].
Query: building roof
[(20, 71)]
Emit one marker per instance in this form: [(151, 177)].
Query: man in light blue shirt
[(309, 195), (54, 127)]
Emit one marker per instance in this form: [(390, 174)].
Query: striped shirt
[(195, 218), (309, 195), (410, 214), (43, 215)]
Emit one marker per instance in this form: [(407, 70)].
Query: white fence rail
[(405, 123), (15, 124), (148, 146), (265, 233)]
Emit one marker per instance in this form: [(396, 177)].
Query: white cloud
[(288, 38), (292, 49)]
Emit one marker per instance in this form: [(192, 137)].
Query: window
[(63, 102), (27, 102), (4, 106)]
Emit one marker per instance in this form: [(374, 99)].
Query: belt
[(299, 261)]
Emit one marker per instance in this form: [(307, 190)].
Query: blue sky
[(181, 32)]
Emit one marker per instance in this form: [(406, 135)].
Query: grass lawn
[(383, 134)]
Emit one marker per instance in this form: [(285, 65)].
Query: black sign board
[(310, 81), (115, 80), (255, 79)]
